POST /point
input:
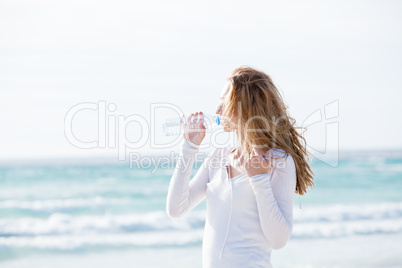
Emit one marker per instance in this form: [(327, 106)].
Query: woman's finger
[(187, 125), (200, 118), (257, 151), (195, 117), (189, 119)]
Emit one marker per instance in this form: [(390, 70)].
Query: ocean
[(111, 215)]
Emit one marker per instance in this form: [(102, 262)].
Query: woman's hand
[(257, 164), (194, 129)]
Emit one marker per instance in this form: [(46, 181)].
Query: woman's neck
[(237, 158)]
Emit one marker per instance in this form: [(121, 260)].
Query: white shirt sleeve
[(274, 194), (184, 194)]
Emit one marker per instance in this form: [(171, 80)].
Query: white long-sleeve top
[(246, 217)]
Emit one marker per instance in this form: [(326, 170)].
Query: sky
[(337, 65)]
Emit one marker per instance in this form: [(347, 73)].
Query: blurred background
[(85, 87)]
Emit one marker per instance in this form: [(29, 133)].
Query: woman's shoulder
[(282, 160), (277, 152)]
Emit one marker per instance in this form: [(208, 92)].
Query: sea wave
[(94, 241), (60, 224), (62, 204), (355, 212), (181, 237), (312, 230), (310, 222)]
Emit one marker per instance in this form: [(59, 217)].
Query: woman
[(249, 195)]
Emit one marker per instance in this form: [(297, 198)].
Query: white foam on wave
[(72, 242), (187, 237), (346, 220), (340, 212), (341, 229), (60, 223), (59, 204), (310, 222)]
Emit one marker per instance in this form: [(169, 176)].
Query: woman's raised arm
[(184, 194)]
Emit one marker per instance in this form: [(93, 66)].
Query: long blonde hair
[(256, 105)]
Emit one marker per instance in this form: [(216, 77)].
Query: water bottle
[(174, 125)]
